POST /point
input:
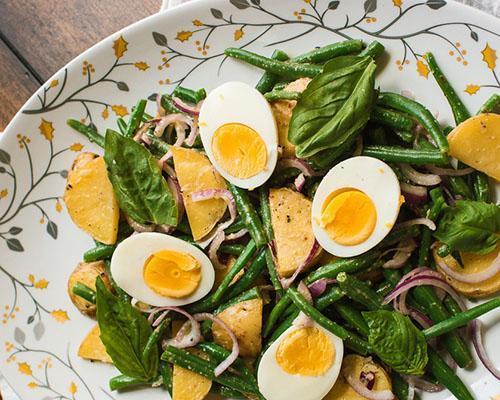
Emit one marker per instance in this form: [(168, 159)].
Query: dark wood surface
[(38, 37)]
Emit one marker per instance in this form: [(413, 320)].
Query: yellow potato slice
[(188, 385), (245, 321), (473, 263), (476, 142), (92, 347), (195, 173), (90, 199)]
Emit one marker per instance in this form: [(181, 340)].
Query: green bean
[(289, 70), (122, 125), (146, 117), (330, 51), (325, 158), (273, 272), (374, 49), (232, 249), (251, 294), (268, 79), (100, 252), (285, 324), (350, 265), (393, 119), (279, 308), (281, 177), (157, 146), (168, 105), (359, 291), (460, 112), (459, 187), (189, 95), (265, 213), (407, 137), (213, 300), (253, 272), (403, 155), (136, 118), (352, 316), (400, 387), (235, 226), (446, 376), (248, 215), (82, 290), (492, 105), (481, 187), (166, 376), (378, 136), (229, 393), (451, 305), (396, 235), (88, 131), (155, 337), (352, 341), (426, 238), (281, 95), (384, 288), (461, 319), (121, 382), (422, 114)]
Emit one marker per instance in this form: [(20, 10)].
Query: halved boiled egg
[(161, 270), (303, 363), (355, 206), (239, 134)]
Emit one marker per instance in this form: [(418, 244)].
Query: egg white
[(370, 176), (237, 102), (127, 267), (276, 384)]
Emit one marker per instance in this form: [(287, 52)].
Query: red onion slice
[(449, 171), (236, 235), (299, 182), (193, 134), (417, 221), (480, 350), (422, 384), (235, 349), (362, 390), (136, 226), (303, 321), (293, 162), (478, 277), (418, 177), (423, 320), (187, 108), (359, 146), (304, 291), (367, 379), (402, 254), (287, 282), (214, 247), (318, 287), (414, 194), (170, 119)]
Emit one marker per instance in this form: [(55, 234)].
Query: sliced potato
[(188, 385), (354, 364), (282, 110), (195, 172), (86, 273), (476, 142), (472, 263), (291, 220), (92, 347), (245, 321), (90, 199)]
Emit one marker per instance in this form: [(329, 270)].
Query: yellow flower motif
[(32, 385), (120, 47), (197, 22), (73, 388), (184, 35), (422, 69), (105, 113), (397, 3), (60, 316), (489, 57), (307, 1), (76, 147), (3, 193), (46, 129), (54, 83), (24, 368), (119, 110), (472, 89), (238, 34), (41, 284), (141, 65)]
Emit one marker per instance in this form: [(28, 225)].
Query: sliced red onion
[(299, 182), (193, 134), (303, 321), (367, 379), (293, 162), (159, 108), (287, 282), (423, 320), (214, 247), (187, 108), (449, 171), (478, 277), (164, 228), (417, 221), (136, 226), (318, 287), (176, 191), (402, 254), (414, 194), (422, 384), (359, 146), (170, 119), (138, 135), (477, 340), (236, 235), (362, 390), (169, 170), (304, 291), (235, 349), (418, 177)]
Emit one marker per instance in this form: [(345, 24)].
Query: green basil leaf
[(141, 190), (334, 107), (124, 333), (471, 226), (397, 342)]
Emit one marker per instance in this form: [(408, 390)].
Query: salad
[(311, 237)]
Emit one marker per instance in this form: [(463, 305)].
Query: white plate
[(40, 330)]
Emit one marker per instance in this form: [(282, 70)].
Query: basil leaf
[(141, 190), (334, 107), (471, 226), (124, 333), (396, 341)]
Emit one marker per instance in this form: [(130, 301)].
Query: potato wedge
[(245, 320), (90, 199), (291, 220), (92, 347), (86, 273), (188, 385), (282, 110), (473, 263), (476, 142), (195, 172), (355, 364)]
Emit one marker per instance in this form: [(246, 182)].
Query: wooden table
[(38, 37)]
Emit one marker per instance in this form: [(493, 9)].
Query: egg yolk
[(239, 150), (349, 217), (172, 274), (306, 351)]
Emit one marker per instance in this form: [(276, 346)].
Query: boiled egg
[(303, 363), (161, 270), (355, 206), (239, 134)]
